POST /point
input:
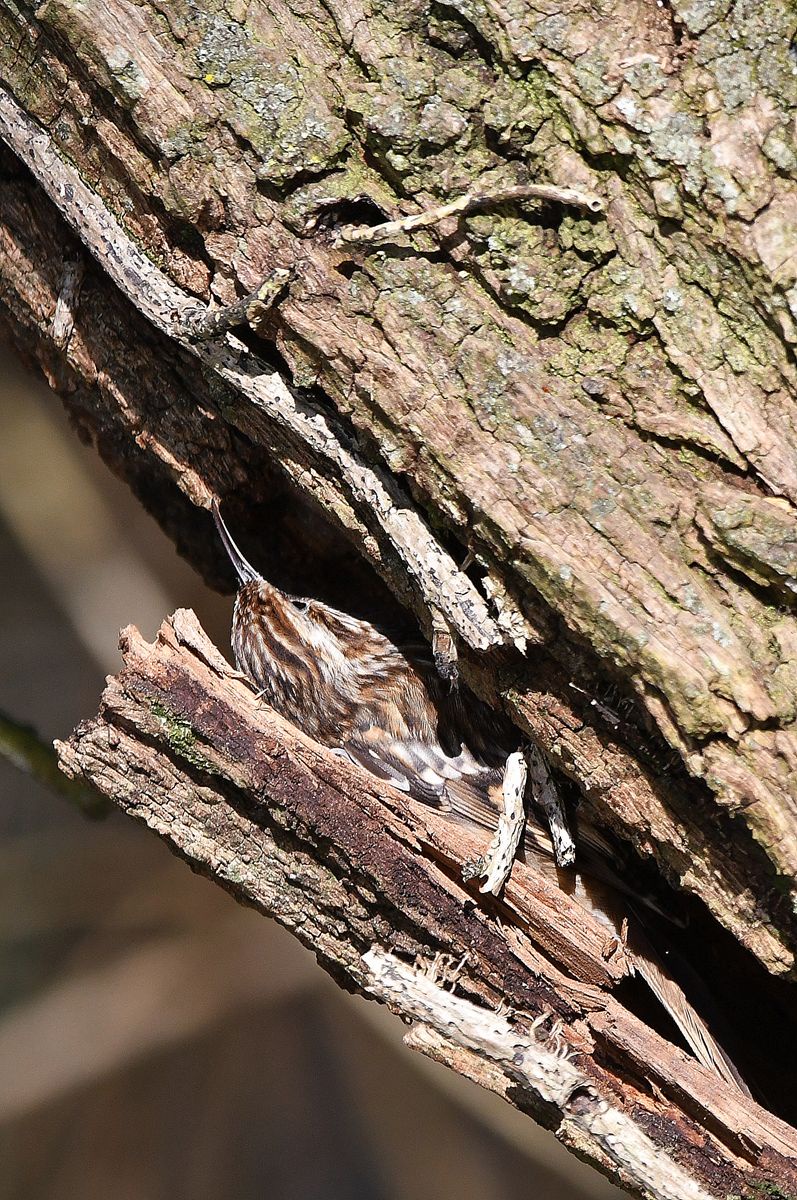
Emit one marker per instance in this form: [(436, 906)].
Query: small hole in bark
[(582, 1102), (354, 210), (668, 227)]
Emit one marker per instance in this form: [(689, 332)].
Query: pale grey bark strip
[(544, 1065), (176, 313)]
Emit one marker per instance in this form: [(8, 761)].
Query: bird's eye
[(300, 605)]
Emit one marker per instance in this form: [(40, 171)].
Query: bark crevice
[(638, 534), (182, 744)]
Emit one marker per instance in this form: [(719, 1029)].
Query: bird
[(348, 685)]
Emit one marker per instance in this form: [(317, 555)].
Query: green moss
[(275, 102), (771, 1190), (464, 87), (596, 82), (516, 109), (233, 872), (619, 295), (588, 350), (180, 736)]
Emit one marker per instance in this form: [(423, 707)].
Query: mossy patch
[(276, 104), (771, 1190), (180, 736)]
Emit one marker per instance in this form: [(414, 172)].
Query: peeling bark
[(182, 744), (598, 407)]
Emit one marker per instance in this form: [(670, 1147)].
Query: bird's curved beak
[(245, 571)]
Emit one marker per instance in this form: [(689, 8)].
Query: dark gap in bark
[(545, 1114), (637, 997), (668, 227), (529, 67), (664, 776), (348, 210), (291, 542), (677, 26), (751, 1011), (13, 170), (726, 564), (446, 16), (610, 162), (412, 250), (718, 460), (280, 192), (504, 150), (262, 342)]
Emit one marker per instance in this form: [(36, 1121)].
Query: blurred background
[(157, 1040)]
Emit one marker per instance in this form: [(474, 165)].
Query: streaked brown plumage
[(343, 682)]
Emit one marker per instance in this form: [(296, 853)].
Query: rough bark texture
[(181, 744), (600, 408)]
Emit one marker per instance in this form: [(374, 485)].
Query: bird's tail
[(704, 1045)]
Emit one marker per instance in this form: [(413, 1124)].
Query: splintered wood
[(541, 1062), (182, 744)]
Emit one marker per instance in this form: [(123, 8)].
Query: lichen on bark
[(601, 408)]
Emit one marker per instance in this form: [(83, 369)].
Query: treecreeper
[(384, 706)]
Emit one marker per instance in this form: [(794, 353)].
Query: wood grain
[(182, 744)]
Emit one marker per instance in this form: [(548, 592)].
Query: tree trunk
[(598, 406)]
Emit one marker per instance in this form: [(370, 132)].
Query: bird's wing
[(458, 784)]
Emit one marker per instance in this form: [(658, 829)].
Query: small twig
[(202, 324), (24, 749), (547, 796), (497, 862), (470, 202)]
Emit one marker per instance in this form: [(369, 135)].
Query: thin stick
[(547, 796), (497, 862), (470, 202), (249, 310), (24, 749)]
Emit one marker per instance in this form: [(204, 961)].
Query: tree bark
[(599, 407), (351, 867)]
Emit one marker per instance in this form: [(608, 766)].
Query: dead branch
[(595, 408), (357, 873)]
